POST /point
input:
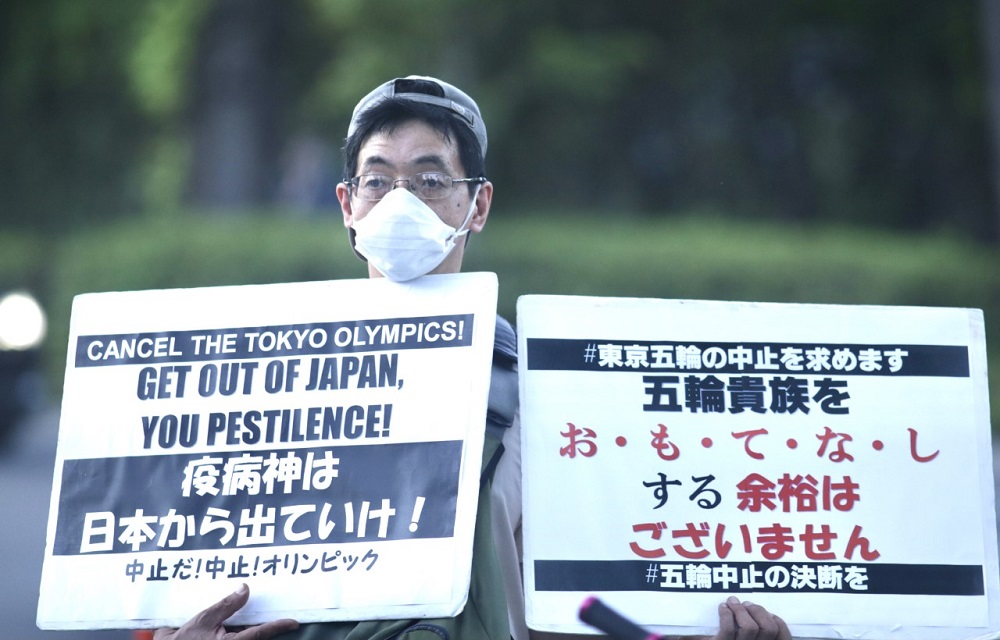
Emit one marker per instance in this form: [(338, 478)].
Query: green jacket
[(485, 613)]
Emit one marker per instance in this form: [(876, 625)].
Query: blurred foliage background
[(865, 113), (834, 151)]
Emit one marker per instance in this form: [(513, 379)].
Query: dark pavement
[(25, 488)]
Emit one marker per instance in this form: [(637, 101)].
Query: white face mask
[(403, 238)]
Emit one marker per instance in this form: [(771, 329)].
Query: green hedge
[(695, 256), (192, 250)]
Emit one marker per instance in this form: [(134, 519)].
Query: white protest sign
[(318, 441), (831, 463)]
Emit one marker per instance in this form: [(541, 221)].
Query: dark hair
[(393, 112)]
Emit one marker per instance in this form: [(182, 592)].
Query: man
[(414, 188)]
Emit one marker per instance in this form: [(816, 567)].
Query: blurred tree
[(848, 111), (68, 133), (237, 103), (991, 44), (843, 111), (214, 78)]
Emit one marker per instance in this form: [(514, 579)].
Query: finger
[(727, 622), (267, 630), (766, 624), (215, 615), (783, 632), (746, 626), (164, 633)]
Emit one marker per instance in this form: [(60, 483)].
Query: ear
[(483, 200), (344, 196)]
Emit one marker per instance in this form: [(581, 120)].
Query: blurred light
[(22, 322)]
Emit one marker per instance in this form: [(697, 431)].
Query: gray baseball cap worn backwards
[(445, 95)]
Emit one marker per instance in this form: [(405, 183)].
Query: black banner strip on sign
[(235, 499), (553, 354), (280, 341), (762, 577)]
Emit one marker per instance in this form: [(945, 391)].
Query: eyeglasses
[(426, 186)]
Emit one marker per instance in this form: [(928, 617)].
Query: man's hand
[(209, 624), (748, 621)]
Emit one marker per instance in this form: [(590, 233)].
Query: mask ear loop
[(462, 230)]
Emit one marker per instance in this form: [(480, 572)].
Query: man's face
[(416, 147)]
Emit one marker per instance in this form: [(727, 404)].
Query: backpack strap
[(504, 342), (502, 405)]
